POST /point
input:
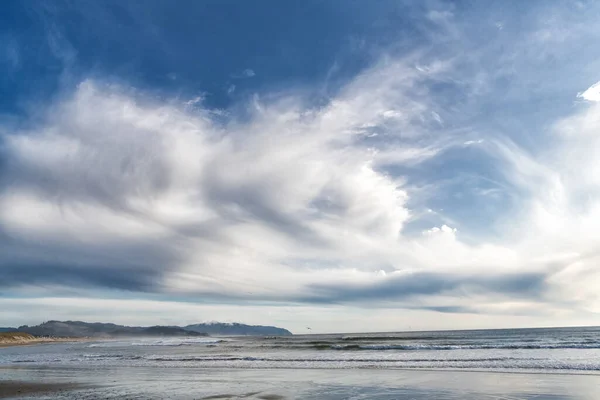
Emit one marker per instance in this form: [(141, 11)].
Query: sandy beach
[(39, 341), (10, 339)]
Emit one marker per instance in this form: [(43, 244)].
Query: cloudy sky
[(339, 165)]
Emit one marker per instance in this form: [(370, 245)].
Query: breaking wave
[(413, 347), (159, 342)]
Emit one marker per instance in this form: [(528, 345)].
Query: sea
[(506, 364)]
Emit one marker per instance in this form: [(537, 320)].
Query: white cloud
[(592, 93), (245, 74), (196, 100), (444, 229), (227, 208), (116, 189), (233, 211)]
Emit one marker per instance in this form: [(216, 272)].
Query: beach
[(11, 339), (19, 389), (200, 383), (541, 364), (34, 340)]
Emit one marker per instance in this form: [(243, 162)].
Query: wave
[(331, 345), (159, 342), (412, 347), (386, 338), (329, 360), (86, 357), (177, 342), (485, 363)]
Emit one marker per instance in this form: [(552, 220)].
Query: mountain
[(235, 329), (97, 329)]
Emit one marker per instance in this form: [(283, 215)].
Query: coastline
[(547, 365), (35, 341)]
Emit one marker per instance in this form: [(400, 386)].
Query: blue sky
[(344, 165)]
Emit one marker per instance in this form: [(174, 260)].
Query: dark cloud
[(410, 286), (255, 200), (102, 172), (448, 309), (140, 280), (121, 265)]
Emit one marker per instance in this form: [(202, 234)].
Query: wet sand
[(19, 388), (183, 383)]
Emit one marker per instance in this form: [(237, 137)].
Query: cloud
[(404, 286), (284, 200), (245, 74), (592, 93), (116, 190)]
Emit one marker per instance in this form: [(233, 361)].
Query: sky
[(343, 166)]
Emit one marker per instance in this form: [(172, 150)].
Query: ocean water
[(552, 363)]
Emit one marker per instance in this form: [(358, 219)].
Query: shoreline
[(36, 341)]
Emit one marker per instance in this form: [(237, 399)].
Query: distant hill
[(8, 329), (98, 329), (235, 329)]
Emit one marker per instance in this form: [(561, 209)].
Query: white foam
[(176, 341), (592, 93), (158, 342)]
